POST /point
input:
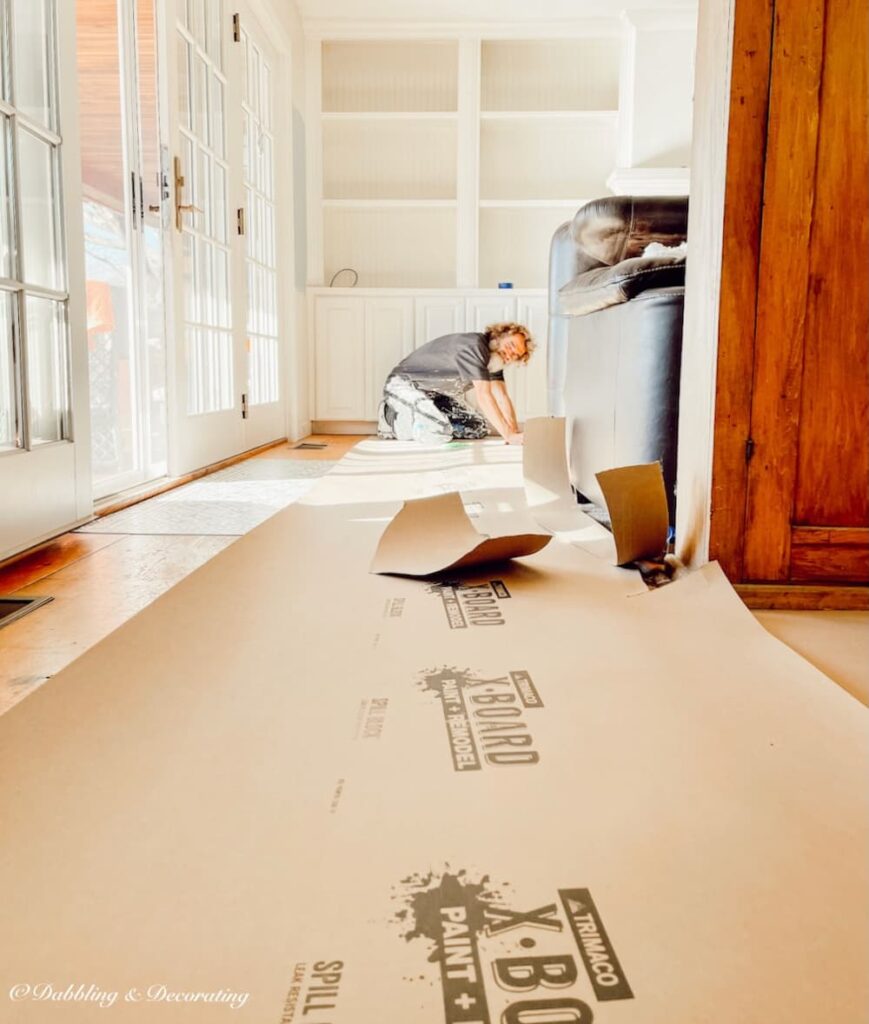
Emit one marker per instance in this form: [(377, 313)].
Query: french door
[(227, 394), (44, 472), (122, 190)]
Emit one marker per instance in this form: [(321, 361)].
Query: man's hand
[(495, 405)]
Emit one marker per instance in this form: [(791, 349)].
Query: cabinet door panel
[(438, 316), (534, 314), (388, 339), (482, 312), (340, 359)]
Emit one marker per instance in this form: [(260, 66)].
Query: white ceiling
[(478, 10)]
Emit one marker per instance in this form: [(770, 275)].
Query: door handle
[(181, 208)]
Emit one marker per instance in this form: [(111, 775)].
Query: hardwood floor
[(99, 581)]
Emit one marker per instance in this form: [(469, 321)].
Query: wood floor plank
[(50, 558)]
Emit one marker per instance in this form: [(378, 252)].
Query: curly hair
[(495, 331)]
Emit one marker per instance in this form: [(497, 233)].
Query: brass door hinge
[(240, 220), (236, 28)]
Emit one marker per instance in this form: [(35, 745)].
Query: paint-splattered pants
[(409, 412)]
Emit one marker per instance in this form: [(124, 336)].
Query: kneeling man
[(424, 396)]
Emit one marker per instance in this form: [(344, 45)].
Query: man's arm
[(486, 395), (505, 404)]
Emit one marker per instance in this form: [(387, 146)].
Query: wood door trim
[(746, 152), (803, 598), (832, 553), (848, 536)]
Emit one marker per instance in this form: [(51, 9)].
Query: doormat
[(13, 608), (229, 502)]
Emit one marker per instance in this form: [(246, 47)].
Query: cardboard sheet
[(292, 791), (637, 503), (430, 535)]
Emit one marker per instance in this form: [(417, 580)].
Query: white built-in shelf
[(549, 74), (542, 159), (397, 75), (385, 158), (390, 115), (531, 204), (514, 244), (433, 151), (548, 115), (390, 204)]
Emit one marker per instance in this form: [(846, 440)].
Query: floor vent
[(12, 608), (306, 445)]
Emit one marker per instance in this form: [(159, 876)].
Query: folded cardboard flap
[(544, 467), (637, 504), (429, 535)]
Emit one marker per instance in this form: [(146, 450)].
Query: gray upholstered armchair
[(615, 335)]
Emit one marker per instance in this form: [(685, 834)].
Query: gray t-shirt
[(450, 363)]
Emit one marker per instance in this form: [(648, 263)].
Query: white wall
[(656, 90)]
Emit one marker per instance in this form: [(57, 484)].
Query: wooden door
[(795, 322)]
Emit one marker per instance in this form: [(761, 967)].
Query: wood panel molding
[(829, 553), (803, 598)]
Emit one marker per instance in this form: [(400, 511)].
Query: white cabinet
[(339, 324), (438, 315), (358, 341), (361, 336), (388, 339), (490, 310), (531, 392), (526, 384)]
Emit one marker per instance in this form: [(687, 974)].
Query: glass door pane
[(10, 435), (48, 400), (32, 32), (37, 162)]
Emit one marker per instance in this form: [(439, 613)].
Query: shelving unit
[(548, 123), (549, 75), (389, 158), (450, 162), (437, 169)]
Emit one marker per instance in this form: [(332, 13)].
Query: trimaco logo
[(485, 716), (470, 929), (472, 604)]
